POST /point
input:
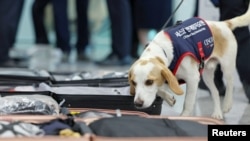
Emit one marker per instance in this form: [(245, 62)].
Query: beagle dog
[(180, 54)]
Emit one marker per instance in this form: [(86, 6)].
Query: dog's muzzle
[(138, 103)]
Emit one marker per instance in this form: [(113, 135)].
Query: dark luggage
[(106, 97), (122, 128), (109, 91), (106, 102), (134, 126), (23, 77)]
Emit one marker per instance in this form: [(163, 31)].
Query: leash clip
[(201, 65)]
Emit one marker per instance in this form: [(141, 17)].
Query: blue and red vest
[(191, 37)]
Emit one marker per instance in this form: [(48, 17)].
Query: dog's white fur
[(148, 75)]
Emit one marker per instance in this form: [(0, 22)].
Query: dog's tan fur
[(149, 75), (220, 42)]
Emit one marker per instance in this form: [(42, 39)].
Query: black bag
[(135, 126), (108, 92), (23, 77)]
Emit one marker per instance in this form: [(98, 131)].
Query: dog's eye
[(149, 82), (133, 82)]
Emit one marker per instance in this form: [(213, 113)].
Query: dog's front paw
[(227, 105), (217, 115), (171, 101)]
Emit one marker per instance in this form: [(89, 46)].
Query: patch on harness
[(191, 37)]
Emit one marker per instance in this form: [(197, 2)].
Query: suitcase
[(105, 102), (95, 137), (118, 105), (200, 120), (108, 90), (103, 97), (23, 77), (38, 119), (114, 85)]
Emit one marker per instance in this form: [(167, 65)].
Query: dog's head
[(146, 76)]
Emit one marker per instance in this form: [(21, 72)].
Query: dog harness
[(191, 37)]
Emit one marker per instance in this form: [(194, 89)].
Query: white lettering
[(180, 32), (216, 132), (193, 28), (208, 41)]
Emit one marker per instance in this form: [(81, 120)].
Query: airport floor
[(239, 114)]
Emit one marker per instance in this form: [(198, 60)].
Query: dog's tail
[(239, 21)]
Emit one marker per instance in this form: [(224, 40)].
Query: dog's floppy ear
[(172, 81), (130, 78)]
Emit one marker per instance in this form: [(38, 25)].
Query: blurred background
[(99, 25)]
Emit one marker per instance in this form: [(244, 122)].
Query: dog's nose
[(139, 103)]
